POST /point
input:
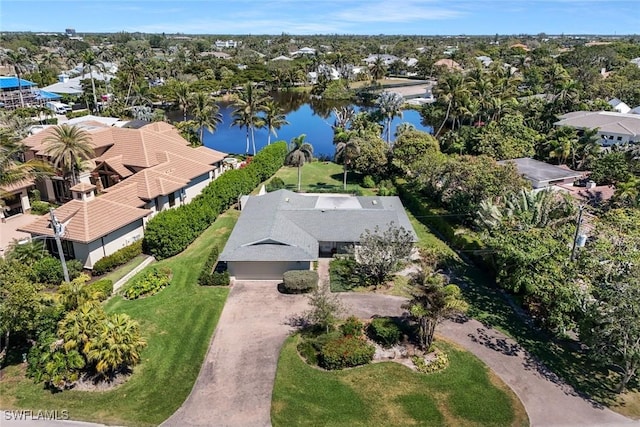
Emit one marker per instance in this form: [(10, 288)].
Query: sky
[(411, 17)]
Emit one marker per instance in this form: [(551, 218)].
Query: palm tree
[(390, 106), (273, 119), (19, 60), (66, 146), (378, 68), (89, 62), (206, 114), (246, 111), (182, 96), (133, 70), (347, 152), (118, 345), (300, 152), (453, 89), (242, 119)]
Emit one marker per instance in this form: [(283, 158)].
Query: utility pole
[(57, 232), (575, 237)]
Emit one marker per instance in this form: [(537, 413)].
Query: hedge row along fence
[(171, 231)]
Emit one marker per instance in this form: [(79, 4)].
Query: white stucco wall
[(196, 186), (112, 242)]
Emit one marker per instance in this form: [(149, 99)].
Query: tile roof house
[(282, 230), (613, 128), (136, 173)]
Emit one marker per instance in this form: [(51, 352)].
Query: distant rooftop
[(540, 173)]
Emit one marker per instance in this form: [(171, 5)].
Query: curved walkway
[(236, 380)]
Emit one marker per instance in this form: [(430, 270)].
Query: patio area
[(9, 229)]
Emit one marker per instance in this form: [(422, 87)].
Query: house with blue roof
[(16, 93)]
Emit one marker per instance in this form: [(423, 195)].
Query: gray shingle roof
[(540, 171), (605, 121), (286, 226)]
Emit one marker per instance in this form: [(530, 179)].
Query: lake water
[(304, 118)]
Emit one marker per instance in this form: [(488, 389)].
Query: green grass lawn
[(389, 394), (322, 176), (177, 324), (122, 271)]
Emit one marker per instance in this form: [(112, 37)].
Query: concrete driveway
[(236, 381)]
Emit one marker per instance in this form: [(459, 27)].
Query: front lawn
[(389, 394), (177, 324), (321, 177)]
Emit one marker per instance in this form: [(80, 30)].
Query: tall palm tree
[(89, 62), (347, 152), (300, 152), (390, 106), (206, 113), (182, 95), (452, 89), (66, 146), (19, 60), (133, 71), (247, 106), (273, 119)]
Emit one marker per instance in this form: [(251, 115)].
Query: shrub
[(204, 279), (39, 207), (342, 274), (275, 184), (216, 279), (172, 230), (116, 259), (386, 188), (384, 331), (440, 362), (300, 281), (368, 182), (104, 286), (346, 352), (150, 283), (352, 326), (74, 114), (49, 271)]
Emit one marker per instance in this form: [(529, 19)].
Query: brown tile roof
[(115, 163), (449, 63), (83, 186), (100, 138), (19, 185), (125, 193), (88, 221)]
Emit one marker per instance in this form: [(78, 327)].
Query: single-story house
[(541, 174), (283, 230), (613, 128)]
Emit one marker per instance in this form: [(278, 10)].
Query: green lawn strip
[(321, 176), (391, 394), (123, 270), (177, 324)]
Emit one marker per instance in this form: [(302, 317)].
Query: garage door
[(262, 270)]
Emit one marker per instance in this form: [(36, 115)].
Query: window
[(619, 138), (172, 200)]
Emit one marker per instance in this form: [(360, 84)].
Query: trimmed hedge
[(172, 230), (384, 331), (116, 259), (150, 283), (104, 286), (49, 271), (346, 352), (275, 184), (207, 268), (300, 281)]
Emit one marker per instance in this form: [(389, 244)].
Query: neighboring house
[(303, 51), (15, 198), (386, 58), (226, 44), (135, 174), (635, 61), (619, 106), (613, 127), (282, 58), (13, 93), (68, 85), (449, 64), (282, 230), (219, 55), (541, 174), (485, 60)]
